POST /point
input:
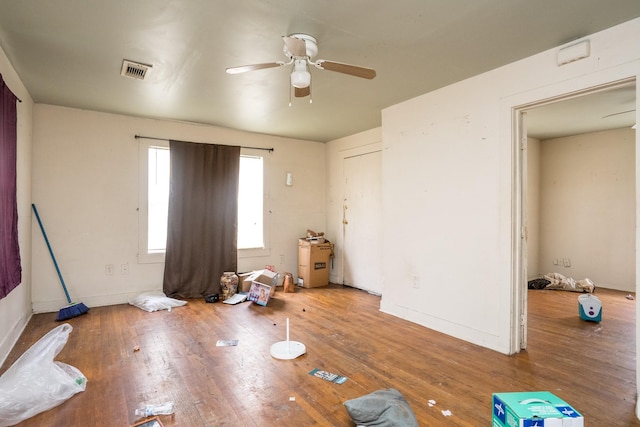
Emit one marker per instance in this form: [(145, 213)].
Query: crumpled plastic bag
[(586, 285), (35, 382), (558, 281), (154, 301)]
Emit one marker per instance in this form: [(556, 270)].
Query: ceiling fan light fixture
[(300, 49), (300, 76)]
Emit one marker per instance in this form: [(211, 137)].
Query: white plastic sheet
[(35, 382)]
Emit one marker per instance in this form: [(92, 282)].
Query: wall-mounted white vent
[(135, 70), (574, 52)]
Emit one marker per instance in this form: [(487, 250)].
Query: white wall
[(15, 308), (449, 187), (85, 185), (587, 215)]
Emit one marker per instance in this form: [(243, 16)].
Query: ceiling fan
[(616, 114), (622, 112), (300, 49)]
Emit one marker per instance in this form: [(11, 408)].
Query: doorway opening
[(555, 225)]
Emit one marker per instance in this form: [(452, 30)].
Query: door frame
[(519, 319)]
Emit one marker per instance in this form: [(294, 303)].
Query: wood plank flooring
[(590, 365)]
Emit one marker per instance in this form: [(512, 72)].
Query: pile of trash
[(557, 281)]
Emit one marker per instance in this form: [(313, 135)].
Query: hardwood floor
[(590, 365)]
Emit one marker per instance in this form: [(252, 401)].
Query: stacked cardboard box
[(314, 259)]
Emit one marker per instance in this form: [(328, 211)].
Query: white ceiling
[(69, 53), (604, 109)]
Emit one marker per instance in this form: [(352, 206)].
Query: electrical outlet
[(282, 259), (108, 269), (124, 268), (567, 262), (416, 282)]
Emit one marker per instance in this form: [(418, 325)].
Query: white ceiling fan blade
[(616, 114), (352, 70), (253, 67), (296, 47)]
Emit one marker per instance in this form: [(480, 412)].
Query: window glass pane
[(158, 196), (250, 203)]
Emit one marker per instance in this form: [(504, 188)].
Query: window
[(158, 199), (250, 206), (154, 197)]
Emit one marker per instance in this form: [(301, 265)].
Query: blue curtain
[(10, 268)]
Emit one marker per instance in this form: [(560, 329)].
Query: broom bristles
[(73, 310)]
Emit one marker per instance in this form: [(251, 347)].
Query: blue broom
[(74, 309)]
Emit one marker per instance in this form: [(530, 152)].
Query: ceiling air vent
[(135, 70)]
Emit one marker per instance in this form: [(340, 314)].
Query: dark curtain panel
[(203, 218), (10, 268)]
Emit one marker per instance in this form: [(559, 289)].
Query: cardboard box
[(314, 262), (260, 293), (533, 408), (267, 277)]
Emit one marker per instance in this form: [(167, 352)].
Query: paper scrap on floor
[(226, 343), (334, 378), (237, 298)]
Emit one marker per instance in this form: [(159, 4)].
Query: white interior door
[(362, 222)]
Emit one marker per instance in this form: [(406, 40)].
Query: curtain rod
[(193, 142)]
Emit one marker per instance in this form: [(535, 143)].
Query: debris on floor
[(226, 343), (558, 281), (325, 375), (148, 410), (236, 298), (148, 422), (532, 408), (36, 382), (386, 407), (590, 308), (154, 301), (288, 283), (212, 298), (260, 293), (265, 276)]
